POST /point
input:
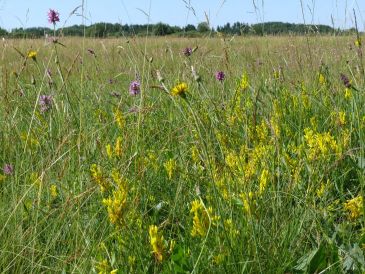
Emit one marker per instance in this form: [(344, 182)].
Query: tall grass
[(254, 174)]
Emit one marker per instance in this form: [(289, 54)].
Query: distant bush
[(102, 30)]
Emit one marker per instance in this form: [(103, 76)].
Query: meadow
[(134, 155)]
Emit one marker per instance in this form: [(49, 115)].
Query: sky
[(33, 13)]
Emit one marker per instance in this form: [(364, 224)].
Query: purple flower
[(45, 102), (219, 75), (8, 169), (187, 51), (134, 88), (345, 80), (53, 16)]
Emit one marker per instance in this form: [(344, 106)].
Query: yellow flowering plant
[(180, 89)]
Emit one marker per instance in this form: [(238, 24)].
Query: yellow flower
[(117, 151), (116, 206), (170, 167), (358, 42), (98, 177), (195, 206), (262, 132), (248, 202), (274, 123), (104, 267), (2, 177), (230, 228), (320, 145), (263, 180), (118, 179), (355, 207), (321, 190), (109, 151), (276, 74), (118, 147), (202, 218), (348, 93), (179, 89), (321, 79), (157, 243), (119, 119), (195, 154), (218, 259), (232, 160), (32, 54), (53, 191), (244, 81)]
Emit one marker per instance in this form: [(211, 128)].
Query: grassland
[(262, 172)]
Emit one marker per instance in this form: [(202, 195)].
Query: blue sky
[(30, 13)]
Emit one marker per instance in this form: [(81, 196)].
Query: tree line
[(102, 30)]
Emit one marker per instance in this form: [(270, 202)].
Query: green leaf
[(305, 260), (238, 202), (361, 162), (317, 259), (179, 262), (353, 259)]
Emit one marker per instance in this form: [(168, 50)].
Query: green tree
[(3, 32), (203, 27), (161, 29), (190, 27)]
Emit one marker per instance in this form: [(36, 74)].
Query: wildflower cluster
[(243, 84), (115, 151), (180, 185), (202, 219), (117, 203), (157, 243), (355, 207), (320, 145)]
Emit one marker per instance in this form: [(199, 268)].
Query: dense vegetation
[(161, 29), (182, 155)]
